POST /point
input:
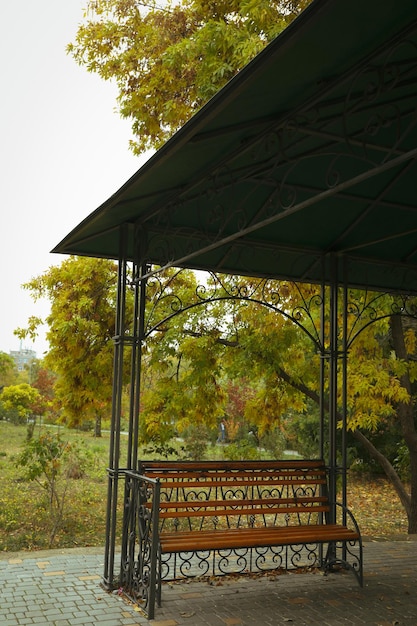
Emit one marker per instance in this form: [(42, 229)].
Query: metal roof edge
[(227, 93)]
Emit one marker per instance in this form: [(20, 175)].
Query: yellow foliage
[(410, 341)]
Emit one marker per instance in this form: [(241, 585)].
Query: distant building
[(23, 357)]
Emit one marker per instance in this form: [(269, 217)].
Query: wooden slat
[(240, 502), (243, 468), (229, 512), (254, 537), (232, 474), (230, 482), (229, 465)]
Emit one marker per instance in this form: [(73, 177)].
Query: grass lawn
[(24, 513)]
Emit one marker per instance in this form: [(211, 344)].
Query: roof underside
[(309, 151)]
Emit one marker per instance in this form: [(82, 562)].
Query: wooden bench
[(212, 518)]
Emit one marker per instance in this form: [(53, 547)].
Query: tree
[(82, 292), (181, 386), (21, 402), (44, 381), (169, 58), (406, 414), (8, 371)]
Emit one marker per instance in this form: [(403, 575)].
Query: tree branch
[(363, 440), (220, 340)]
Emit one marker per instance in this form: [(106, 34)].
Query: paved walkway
[(62, 588)]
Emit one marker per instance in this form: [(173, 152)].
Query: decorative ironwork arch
[(218, 290), (404, 305)]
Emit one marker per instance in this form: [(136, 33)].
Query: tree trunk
[(405, 414), (390, 472), (409, 504), (412, 517), (97, 426)]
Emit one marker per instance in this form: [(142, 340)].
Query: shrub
[(196, 440), (242, 450), (402, 463), (52, 463)]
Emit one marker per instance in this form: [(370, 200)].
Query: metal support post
[(333, 389), (114, 453)]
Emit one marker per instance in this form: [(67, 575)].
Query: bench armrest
[(345, 510), (136, 476)]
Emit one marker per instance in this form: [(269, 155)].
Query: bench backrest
[(228, 494)]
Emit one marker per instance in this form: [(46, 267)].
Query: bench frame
[(219, 517)]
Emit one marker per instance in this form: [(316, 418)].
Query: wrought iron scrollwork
[(302, 308), (138, 564), (365, 308)]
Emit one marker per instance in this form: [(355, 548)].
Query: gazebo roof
[(310, 151)]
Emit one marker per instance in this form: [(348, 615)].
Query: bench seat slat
[(254, 537)]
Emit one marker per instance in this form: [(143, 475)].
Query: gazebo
[(302, 168)]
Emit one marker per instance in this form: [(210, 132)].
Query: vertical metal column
[(114, 453), (344, 391), (136, 372), (323, 357), (129, 532), (322, 407), (344, 356), (333, 387)]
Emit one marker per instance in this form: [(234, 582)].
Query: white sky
[(64, 149)]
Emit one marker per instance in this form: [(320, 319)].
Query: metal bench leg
[(159, 580), (331, 560)]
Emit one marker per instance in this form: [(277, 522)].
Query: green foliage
[(8, 371), (43, 458), (25, 520), (82, 292), (196, 442), (181, 365), (375, 381), (52, 463), (256, 368), (162, 449), (302, 430), (244, 449), (402, 462), (275, 442), (20, 402), (168, 60)]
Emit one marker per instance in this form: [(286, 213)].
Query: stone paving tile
[(63, 589)]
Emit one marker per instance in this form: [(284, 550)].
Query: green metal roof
[(309, 151)]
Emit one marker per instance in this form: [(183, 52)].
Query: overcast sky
[(64, 149)]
